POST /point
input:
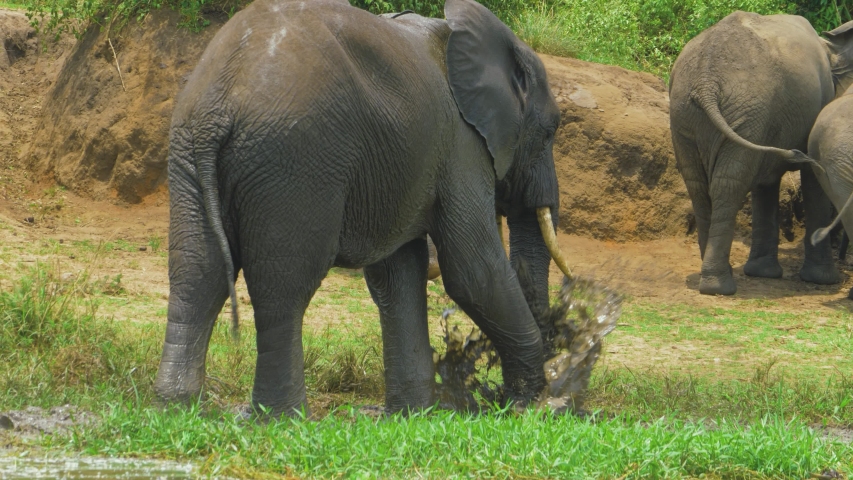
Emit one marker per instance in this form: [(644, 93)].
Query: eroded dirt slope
[(617, 175), (104, 134)]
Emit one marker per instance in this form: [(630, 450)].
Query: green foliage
[(825, 15), (435, 8), (644, 35)]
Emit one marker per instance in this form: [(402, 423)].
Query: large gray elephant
[(314, 134), (743, 94), (831, 145)]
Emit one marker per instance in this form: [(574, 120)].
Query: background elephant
[(315, 134), (748, 81), (831, 145)]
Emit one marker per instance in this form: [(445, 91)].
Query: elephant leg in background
[(197, 290), (729, 185), (398, 287), (693, 173), (764, 249), (819, 264)]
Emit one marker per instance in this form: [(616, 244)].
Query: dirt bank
[(104, 128), (105, 135), (616, 169)]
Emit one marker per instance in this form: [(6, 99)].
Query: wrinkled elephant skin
[(314, 134), (831, 145), (744, 95)]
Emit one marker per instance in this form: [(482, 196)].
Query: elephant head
[(501, 89), (839, 46)]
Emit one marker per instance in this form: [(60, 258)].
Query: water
[(91, 468), (573, 328)]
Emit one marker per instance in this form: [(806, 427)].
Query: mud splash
[(573, 329)]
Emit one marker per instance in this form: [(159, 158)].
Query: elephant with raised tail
[(831, 145), (314, 134), (744, 95)]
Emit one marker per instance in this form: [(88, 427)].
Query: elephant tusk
[(546, 225), (499, 219), (821, 233)]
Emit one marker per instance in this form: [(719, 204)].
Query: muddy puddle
[(91, 468), (573, 328)]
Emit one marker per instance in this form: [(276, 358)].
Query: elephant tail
[(707, 101), (822, 233), (206, 166)]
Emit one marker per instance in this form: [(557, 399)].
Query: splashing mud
[(572, 329)]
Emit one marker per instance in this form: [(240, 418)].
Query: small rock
[(143, 248), (72, 257), (6, 423), (61, 241), (30, 220), (67, 277)]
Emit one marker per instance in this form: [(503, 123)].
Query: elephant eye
[(547, 138)]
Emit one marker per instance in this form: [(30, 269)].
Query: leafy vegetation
[(644, 35)]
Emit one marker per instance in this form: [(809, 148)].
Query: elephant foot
[(174, 387), (415, 398), (821, 274), (274, 403), (765, 267), (717, 285)]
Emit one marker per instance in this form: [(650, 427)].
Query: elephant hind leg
[(693, 172), (819, 264), (764, 249), (284, 262), (735, 167), (398, 287), (198, 288)]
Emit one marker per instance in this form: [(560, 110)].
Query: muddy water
[(91, 468), (573, 329)]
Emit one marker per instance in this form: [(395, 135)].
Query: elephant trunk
[(531, 256)]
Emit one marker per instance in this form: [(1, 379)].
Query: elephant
[(744, 95), (831, 145), (315, 134)]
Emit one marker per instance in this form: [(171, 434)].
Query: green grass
[(448, 445), (643, 35), (738, 421)]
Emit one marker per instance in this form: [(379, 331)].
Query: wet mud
[(33, 421)]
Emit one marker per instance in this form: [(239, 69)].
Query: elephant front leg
[(398, 287), (819, 264), (763, 253), (478, 276)]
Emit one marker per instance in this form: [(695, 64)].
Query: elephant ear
[(488, 79), (841, 47)]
